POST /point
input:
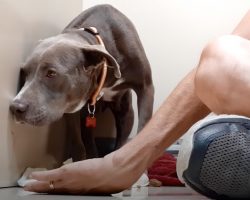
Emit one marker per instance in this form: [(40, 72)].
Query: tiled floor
[(144, 193)]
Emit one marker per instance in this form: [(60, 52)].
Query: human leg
[(217, 149), (222, 79)]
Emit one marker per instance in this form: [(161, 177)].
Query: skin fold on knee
[(221, 82)]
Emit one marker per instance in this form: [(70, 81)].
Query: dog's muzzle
[(215, 160)]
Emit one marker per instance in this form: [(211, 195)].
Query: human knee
[(213, 74), (216, 56)]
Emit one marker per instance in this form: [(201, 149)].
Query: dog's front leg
[(87, 136), (124, 117), (145, 101), (77, 148)]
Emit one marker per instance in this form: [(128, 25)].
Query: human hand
[(93, 176)]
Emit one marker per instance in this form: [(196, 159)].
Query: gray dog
[(64, 72)]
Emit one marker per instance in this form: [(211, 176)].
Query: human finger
[(50, 175), (39, 186), (52, 187)]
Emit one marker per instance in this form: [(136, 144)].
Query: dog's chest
[(109, 92)]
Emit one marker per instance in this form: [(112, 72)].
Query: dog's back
[(119, 35)]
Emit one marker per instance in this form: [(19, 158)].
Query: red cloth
[(164, 170)]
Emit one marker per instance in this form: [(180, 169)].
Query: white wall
[(22, 24), (175, 31)]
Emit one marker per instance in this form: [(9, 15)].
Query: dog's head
[(60, 75)]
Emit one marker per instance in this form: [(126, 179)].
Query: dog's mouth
[(37, 119)]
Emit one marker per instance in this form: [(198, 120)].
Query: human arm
[(118, 170)]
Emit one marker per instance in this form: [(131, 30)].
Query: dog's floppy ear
[(95, 53)]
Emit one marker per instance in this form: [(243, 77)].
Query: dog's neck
[(102, 77), (85, 36), (107, 91)]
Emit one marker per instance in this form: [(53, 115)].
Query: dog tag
[(90, 122)]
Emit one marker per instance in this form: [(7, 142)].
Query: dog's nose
[(18, 108)]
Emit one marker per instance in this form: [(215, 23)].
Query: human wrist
[(124, 166), (135, 156)]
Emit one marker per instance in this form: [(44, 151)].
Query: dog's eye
[(51, 73)]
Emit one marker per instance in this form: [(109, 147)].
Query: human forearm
[(179, 111), (243, 28)]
